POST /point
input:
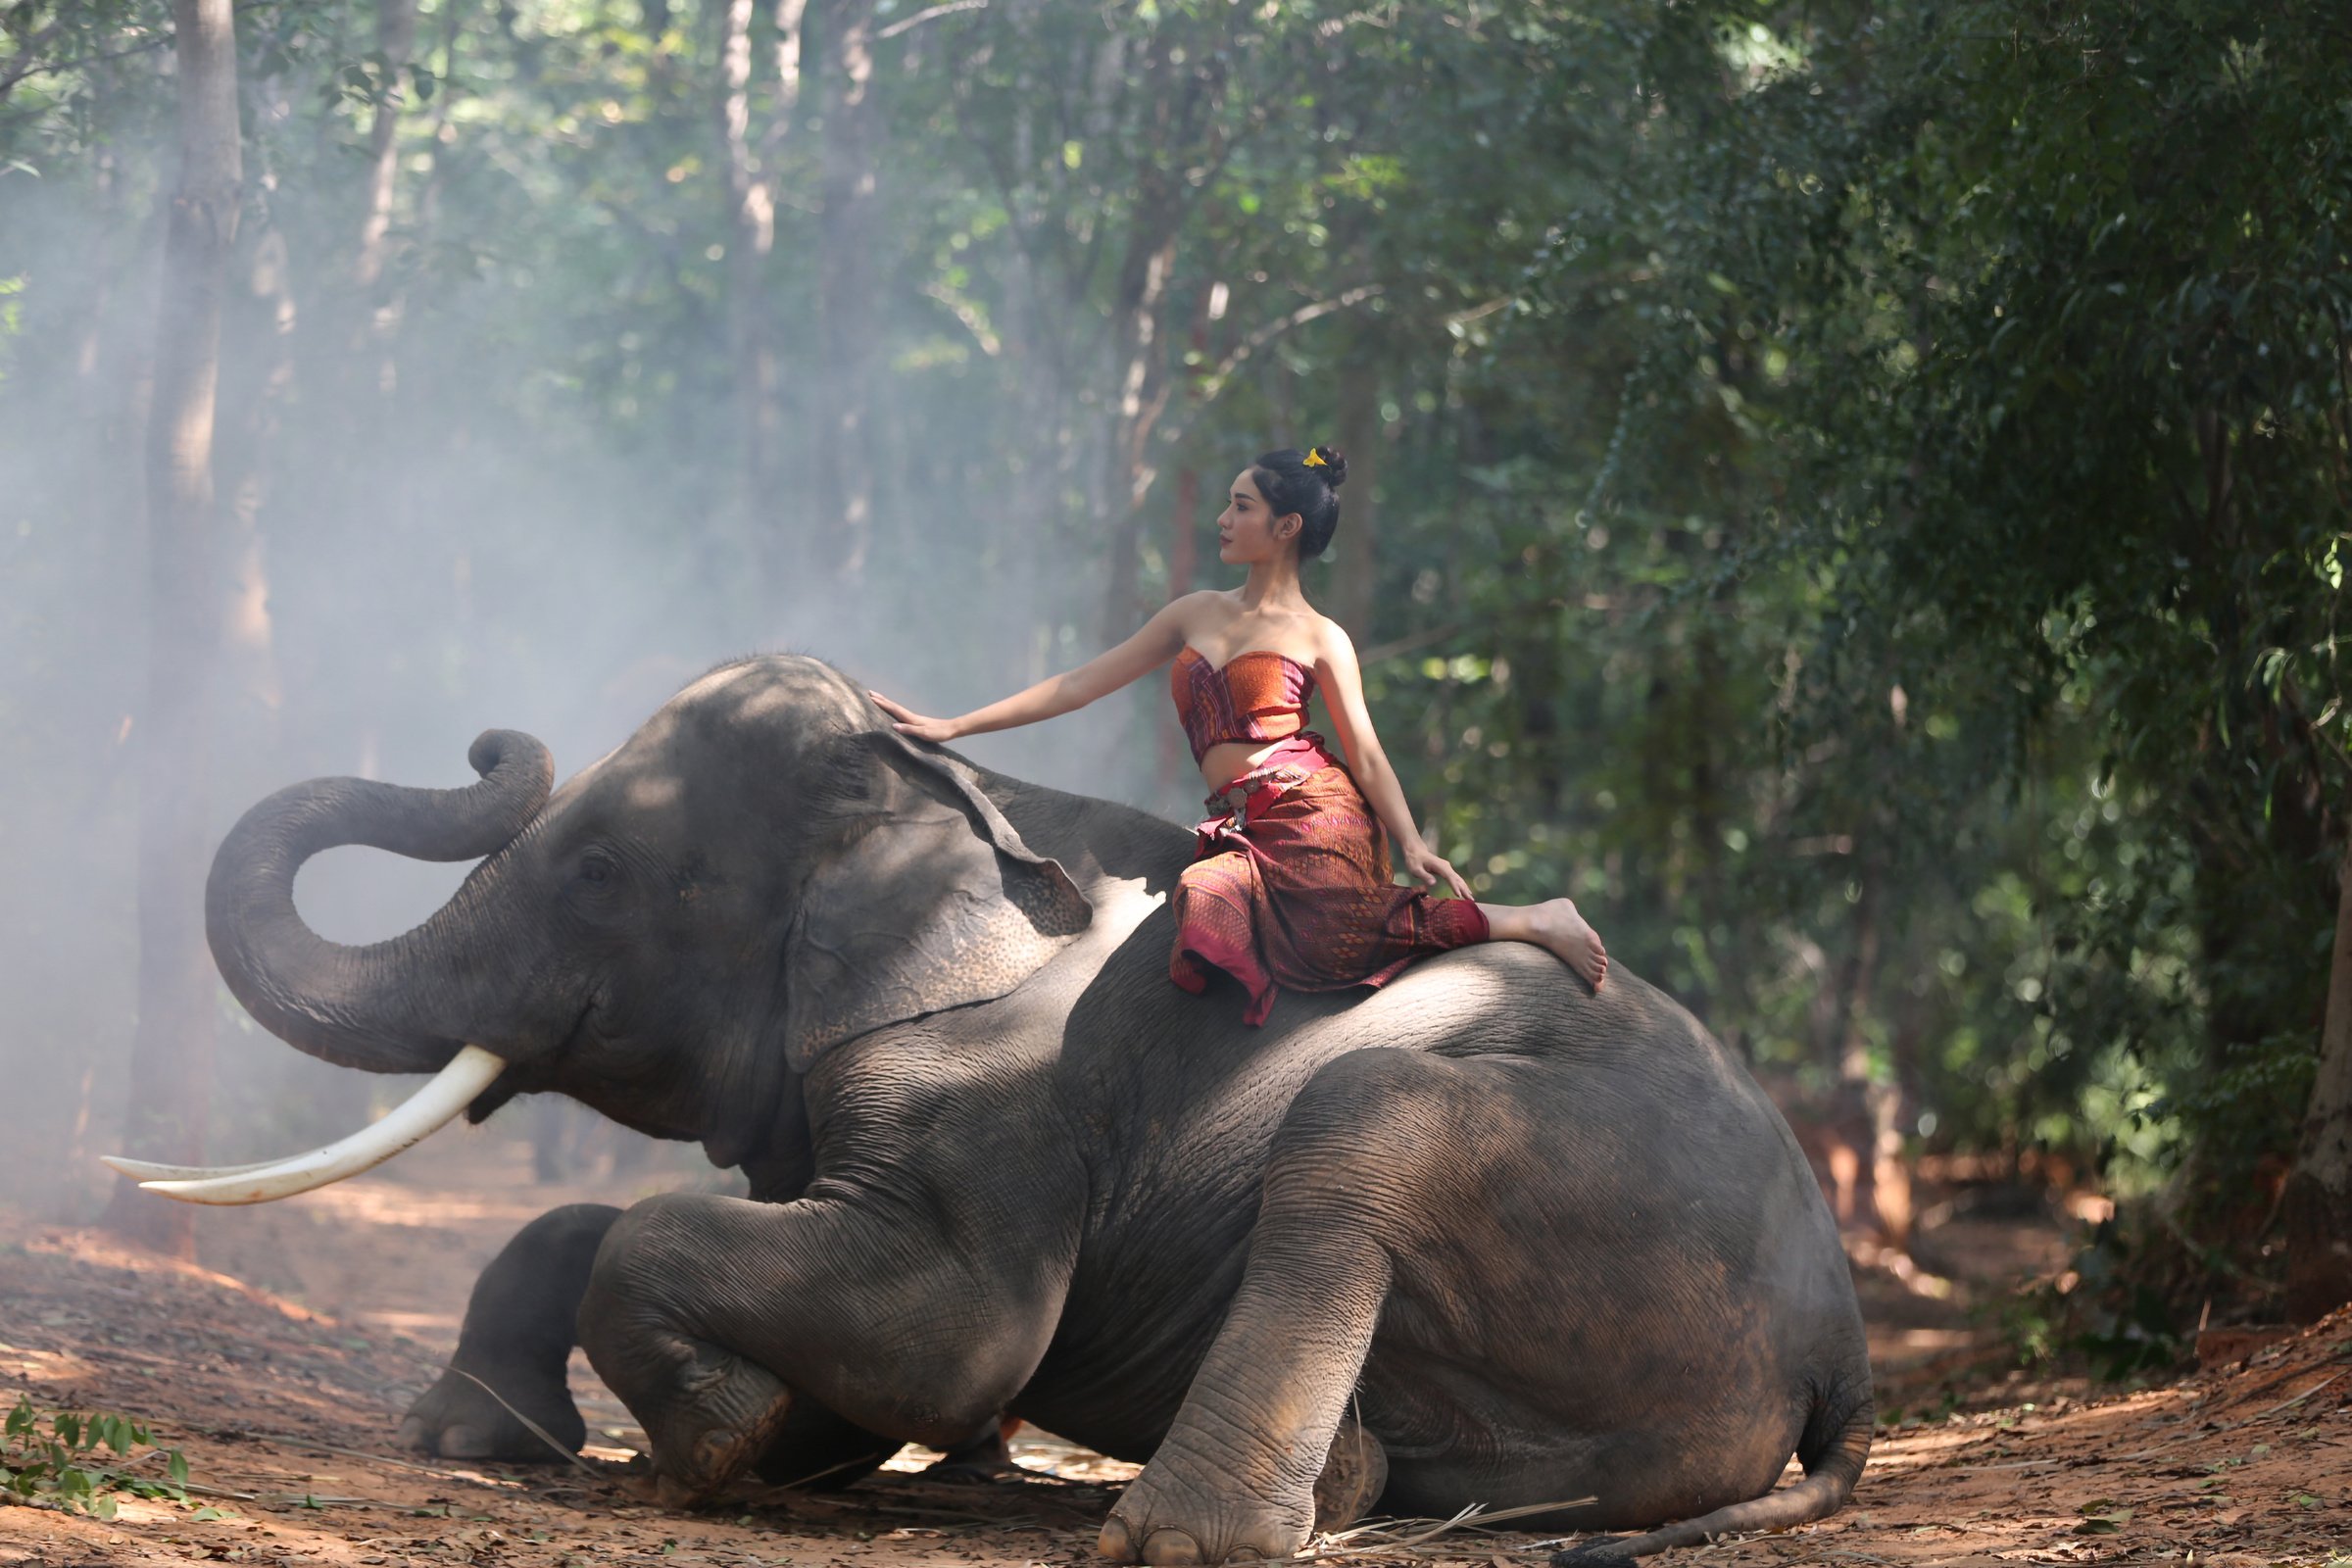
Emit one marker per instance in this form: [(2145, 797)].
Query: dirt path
[(280, 1371)]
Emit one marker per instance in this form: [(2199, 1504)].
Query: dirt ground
[(281, 1366)]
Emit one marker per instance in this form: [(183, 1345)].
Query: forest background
[(1856, 493)]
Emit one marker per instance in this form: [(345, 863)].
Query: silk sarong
[(1292, 889)]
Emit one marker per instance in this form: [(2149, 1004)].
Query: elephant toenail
[(1168, 1548), (712, 1452), (1245, 1555), (1115, 1542)]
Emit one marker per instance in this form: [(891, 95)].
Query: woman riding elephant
[(1486, 1235), (1290, 881)]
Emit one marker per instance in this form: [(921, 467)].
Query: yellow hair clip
[(1315, 458)]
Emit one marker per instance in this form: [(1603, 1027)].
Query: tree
[(1859, 489), (751, 163), (2319, 1195), (2060, 305), (172, 1055), (843, 460)]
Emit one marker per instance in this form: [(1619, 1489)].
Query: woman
[(1290, 881)]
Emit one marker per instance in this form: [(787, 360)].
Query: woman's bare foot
[(1554, 925)]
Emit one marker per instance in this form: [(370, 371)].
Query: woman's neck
[(1273, 585)]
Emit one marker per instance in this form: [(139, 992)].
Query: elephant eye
[(596, 870)]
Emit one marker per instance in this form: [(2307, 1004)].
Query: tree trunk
[(255, 397), (2318, 1195), (1359, 436), (750, 235), (846, 293), (1139, 353), (428, 199), (1871, 1186), (257, 377), (751, 164), (170, 1065), (1141, 369), (396, 41), (1184, 559), (364, 324), (1180, 98)]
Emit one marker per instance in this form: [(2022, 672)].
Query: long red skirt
[(1299, 896)]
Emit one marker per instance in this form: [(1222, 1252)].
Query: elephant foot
[(1353, 1477), (459, 1418), (983, 1456), (721, 1414), (1175, 1546), (815, 1448), (1171, 1519)]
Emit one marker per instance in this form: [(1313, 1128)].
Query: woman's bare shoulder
[(1183, 610), (1203, 611), (1331, 640)]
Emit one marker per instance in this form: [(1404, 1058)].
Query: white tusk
[(140, 1170), (439, 1101)]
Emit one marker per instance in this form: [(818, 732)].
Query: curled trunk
[(402, 1005)]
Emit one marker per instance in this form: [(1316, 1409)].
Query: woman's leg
[(1220, 906), (1553, 924)]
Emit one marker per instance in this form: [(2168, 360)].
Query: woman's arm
[(1159, 640), (1343, 684)]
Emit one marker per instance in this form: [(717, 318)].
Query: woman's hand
[(1425, 866), (907, 721)]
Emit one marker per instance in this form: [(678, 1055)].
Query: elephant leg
[(518, 1336), (983, 1456), (814, 1448), (1366, 1148), (716, 1318)]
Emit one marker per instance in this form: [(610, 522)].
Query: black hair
[(1289, 482)]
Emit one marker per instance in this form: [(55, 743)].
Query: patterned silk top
[(1255, 695)]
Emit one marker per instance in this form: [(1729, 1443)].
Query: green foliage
[(1854, 493), (2039, 318), (81, 1463)]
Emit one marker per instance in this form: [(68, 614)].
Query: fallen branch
[(289, 1439), (2284, 1404), (1434, 1530), (1475, 1516), (2014, 1464), (198, 1488), (819, 1475)]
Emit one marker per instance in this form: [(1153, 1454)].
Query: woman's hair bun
[(1329, 463), (1304, 482)]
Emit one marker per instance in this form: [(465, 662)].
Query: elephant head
[(765, 870)]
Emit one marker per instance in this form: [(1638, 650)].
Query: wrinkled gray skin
[(1551, 1244)]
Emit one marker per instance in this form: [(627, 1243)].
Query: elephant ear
[(927, 899)]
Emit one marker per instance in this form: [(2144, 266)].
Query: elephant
[(1480, 1236)]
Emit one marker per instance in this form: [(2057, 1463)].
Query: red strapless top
[(1255, 696)]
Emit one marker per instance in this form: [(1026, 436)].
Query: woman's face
[(1248, 531)]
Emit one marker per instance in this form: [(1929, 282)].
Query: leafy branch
[(81, 1463)]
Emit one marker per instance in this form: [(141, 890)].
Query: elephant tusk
[(141, 1170), (439, 1101)]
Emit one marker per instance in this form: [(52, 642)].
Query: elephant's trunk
[(402, 1005)]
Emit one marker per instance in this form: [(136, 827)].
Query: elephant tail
[(1832, 1448)]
